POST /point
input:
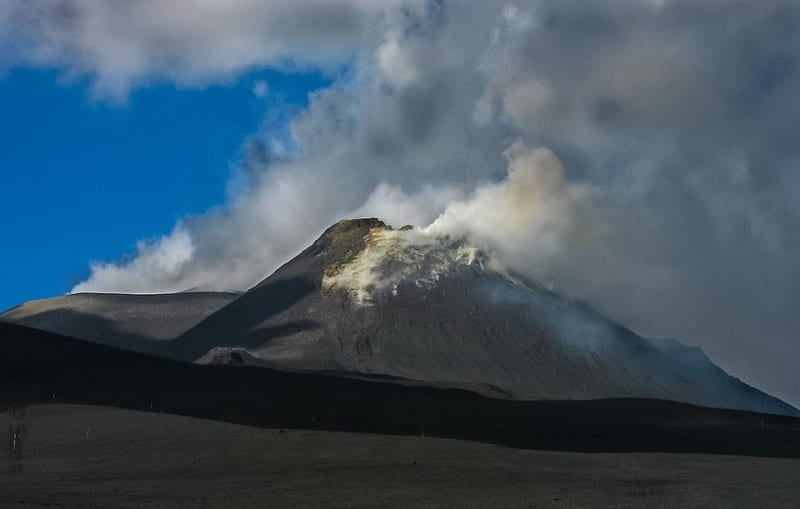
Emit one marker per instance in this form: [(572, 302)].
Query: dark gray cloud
[(665, 196)]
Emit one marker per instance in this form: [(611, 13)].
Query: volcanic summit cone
[(370, 300)]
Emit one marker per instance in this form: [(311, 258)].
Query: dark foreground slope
[(365, 298), (36, 366), (82, 456)]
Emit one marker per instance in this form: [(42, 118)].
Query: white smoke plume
[(638, 155), (528, 219)]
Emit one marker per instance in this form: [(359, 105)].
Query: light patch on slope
[(392, 257)]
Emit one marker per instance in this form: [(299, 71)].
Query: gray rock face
[(132, 322), (366, 299)]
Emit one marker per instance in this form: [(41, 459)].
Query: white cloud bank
[(666, 195), (188, 42)]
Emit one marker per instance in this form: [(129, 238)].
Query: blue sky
[(83, 180)]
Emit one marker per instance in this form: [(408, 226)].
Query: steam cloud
[(639, 155)]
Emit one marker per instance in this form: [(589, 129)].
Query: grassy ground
[(79, 456)]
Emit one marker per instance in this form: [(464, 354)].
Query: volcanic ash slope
[(132, 322)]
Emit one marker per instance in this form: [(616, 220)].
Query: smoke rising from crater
[(638, 155), (527, 220)]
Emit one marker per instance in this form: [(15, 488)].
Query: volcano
[(369, 300), (366, 300)]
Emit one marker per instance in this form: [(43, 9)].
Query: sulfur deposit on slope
[(368, 299), (391, 257)]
